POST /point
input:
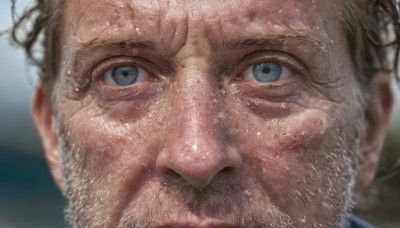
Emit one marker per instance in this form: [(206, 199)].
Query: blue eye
[(267, 72), (125, 75)]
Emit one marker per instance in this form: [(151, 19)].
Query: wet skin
[(198, 140)]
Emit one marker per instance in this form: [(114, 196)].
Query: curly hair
[(372, 28), (42, 24)]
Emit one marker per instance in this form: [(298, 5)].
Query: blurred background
[(28, 196)]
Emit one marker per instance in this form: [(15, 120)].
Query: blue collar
[(356, 222)]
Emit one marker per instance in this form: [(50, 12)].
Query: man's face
[(207, 113)]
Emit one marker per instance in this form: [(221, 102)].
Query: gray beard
[(217, 199)]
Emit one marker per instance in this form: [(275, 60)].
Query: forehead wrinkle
[(253, 19)]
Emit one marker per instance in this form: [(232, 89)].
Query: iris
[(125, 75), (267, 71)]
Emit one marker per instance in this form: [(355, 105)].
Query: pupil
[(266, 69), (125, 73)]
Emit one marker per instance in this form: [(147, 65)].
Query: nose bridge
[(195, 148), (194, 96)]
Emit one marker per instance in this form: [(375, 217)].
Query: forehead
[(213, 18)]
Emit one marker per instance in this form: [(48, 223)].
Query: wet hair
[(42, 26), (372, 28)]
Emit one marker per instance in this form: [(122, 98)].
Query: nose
[(196, 149)]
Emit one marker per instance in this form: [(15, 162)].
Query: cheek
[(115, 153), (294, 158), (103, 142), (99, 144), (289, 136), (280, 150)]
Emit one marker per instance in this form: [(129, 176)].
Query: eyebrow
[(270, 40), (275, 40), (96, 44)]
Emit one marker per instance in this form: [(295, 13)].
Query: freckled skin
[(196, 144)]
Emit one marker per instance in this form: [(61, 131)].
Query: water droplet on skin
[(283, 105), (221, 115), (247, 193), (259, 135), (108, 23), (68, 72), (194, 147), (77, 89), (138, 31)]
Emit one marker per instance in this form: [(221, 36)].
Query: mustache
[(220, 197)]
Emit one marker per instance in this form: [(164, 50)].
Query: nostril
[(171, 174), (226, 170)]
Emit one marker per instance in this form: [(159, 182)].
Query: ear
[(377, 116), (45, 123)]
